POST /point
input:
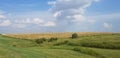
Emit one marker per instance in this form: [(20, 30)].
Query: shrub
[(14, 45), (75, 35), (43, 39), (39, 41), (52, 39)]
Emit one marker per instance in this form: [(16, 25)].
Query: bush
[(43, 39), (52, 39), (75, 35), (39, 41), (14, 45)]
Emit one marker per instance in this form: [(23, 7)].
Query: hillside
[(92, 46)]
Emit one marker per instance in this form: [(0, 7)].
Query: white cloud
[(57, 14), (41, 22), (37, 21), (78, 18), (70, 13), (5, 23), (2, 17), (49, 24), (107, 25), (70, 10)]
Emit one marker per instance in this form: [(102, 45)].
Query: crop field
[(86, 45), (58, 35)]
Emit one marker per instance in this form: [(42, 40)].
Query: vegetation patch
[(40, 41), (105, 45), (52, 39), (89, 52), (75, 35)]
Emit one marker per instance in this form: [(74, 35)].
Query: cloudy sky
[(35, 16)]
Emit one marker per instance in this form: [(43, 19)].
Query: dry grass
[(58, 35)]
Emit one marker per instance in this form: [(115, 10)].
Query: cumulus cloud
[(107, 25), (43, 23), (71, 11), (49, 24), (23, 23), (5, 23), (2, 17), (36, 21)]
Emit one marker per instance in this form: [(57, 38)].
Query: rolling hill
[(92, 46)]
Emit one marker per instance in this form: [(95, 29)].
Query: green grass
[(97, 46), (27, 49)]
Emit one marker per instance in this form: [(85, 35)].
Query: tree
[(74, 35)]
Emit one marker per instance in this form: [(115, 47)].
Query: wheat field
[(58, 35)]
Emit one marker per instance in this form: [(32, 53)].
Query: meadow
[(87, 45)]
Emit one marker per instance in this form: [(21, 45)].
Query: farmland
[(87, 45), (58, 35)]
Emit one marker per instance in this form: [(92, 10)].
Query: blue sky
[(23, 6), (105, 6), (35, 16)]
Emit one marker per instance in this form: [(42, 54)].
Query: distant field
[(87, 45), (58, 35)]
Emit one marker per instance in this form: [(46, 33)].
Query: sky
[(38, 16)]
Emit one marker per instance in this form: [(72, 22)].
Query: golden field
[(58, 35)]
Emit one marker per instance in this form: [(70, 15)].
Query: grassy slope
[(21, 51), (103, 40), (18, 48)]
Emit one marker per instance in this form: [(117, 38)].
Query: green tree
[(74, 35)]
